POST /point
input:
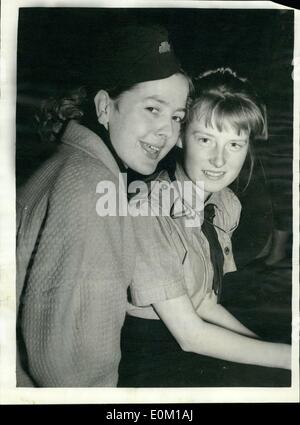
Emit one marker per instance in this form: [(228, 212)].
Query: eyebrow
[(163, 102), (203, 133)]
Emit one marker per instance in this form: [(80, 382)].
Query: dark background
[(55, 42), (55, 48)]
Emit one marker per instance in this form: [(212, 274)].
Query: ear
[(179, 142), (102, 104)]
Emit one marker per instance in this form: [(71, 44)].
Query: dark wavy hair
[(220, 98), (77, 104)]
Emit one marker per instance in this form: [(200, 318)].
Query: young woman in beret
[(74, 265)]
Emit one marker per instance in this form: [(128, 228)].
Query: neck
[(207, 196), (101, 131)]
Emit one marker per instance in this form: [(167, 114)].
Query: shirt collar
[(192, 207), (194, 196)]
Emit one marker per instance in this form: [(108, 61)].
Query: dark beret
[(132, 54)]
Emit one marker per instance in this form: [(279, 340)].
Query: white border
[(14, 4), (295, 298), (9, 394)]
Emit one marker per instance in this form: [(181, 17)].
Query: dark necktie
[(216, 252)]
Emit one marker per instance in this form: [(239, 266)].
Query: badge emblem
[(164, 47)]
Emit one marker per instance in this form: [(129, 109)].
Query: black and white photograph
[(149, 219)]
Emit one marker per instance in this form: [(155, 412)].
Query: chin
[(214, 188), (145, 170), (148, 171)]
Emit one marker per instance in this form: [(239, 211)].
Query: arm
[(209, 310), (216, 314), (195, 335), (72, 330)]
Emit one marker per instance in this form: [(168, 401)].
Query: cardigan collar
[(82, 138)]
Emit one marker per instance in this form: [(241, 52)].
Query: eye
[(236, 146), (178, 118), (203, 141), (152, 109)]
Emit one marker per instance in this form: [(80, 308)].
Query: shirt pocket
[(225, 242)]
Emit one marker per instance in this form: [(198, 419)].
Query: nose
[(218, 157), (165, 128)]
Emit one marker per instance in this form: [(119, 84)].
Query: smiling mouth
[(214, 175), (151, 151)]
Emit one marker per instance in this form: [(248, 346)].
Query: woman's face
[(144, 123), (214, 157)]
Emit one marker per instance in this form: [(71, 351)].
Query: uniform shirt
[(73, 269), (173, 257)]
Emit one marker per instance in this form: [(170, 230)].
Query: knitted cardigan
[(73, 269)]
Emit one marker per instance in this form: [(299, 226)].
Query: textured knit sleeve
[(76, 293)]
